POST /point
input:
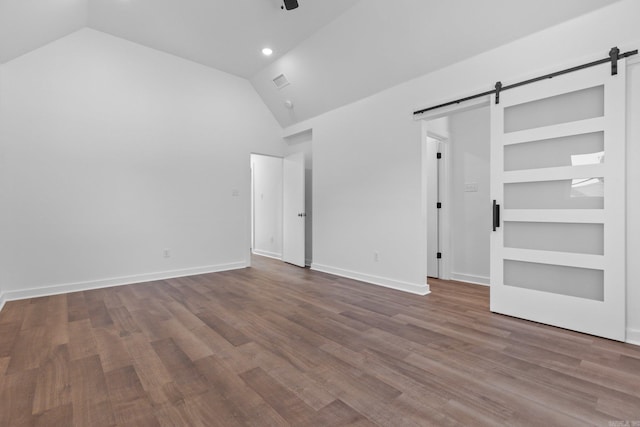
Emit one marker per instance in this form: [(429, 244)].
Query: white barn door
[(558, 183)]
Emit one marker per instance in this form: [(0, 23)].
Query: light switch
[(471, 187)]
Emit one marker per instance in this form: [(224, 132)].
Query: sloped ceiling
[(224, 34), (379, 43), (332, 51), (26, 25)]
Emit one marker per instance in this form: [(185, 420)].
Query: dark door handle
[(496, 215)]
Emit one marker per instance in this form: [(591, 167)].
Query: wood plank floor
[(277, 345)]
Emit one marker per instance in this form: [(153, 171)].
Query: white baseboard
[(116, 281), (470, 278), (413, 288), (3, 300), (633, 336), (268, 254)]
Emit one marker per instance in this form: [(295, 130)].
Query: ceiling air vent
[(281, 81)]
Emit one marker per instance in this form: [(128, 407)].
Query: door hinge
[(438, 155), (439, 255), (439, 205)]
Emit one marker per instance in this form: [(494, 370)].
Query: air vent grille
[(281, 81)]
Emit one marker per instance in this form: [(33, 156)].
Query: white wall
[(367, 195), (112, 152), (367, 155), (469, 143), (267, 205)]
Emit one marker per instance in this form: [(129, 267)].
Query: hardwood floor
[(278, 345)]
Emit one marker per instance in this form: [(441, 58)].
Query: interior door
[(433, 212), (294, 216), (558, 187)]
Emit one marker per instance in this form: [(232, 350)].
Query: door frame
[(445, 216), (444, 193), (251, 221)]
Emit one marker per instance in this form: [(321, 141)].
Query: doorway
[(437, 234), (458, 209), (281, 203), (266, 205)]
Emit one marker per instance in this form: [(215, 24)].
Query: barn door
[(558, 190)]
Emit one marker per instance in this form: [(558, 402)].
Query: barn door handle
[(496, 215)]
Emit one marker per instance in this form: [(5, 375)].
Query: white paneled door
[(558, 185), (294, 215)]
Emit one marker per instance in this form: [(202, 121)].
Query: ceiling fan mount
[(289, 4)]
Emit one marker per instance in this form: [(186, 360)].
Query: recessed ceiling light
[(267, 52)]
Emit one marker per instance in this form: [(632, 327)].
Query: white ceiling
[(225, 34), (378, 44), (26, 25), (333, 51)]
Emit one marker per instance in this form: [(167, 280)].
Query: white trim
[(585, 216), (579, 127), (470, 278), (567, 259), (633, 336), (446, 197), (554, 174), (3, 300), (268, 254), (419, 289), (423, 229), (117, 281)]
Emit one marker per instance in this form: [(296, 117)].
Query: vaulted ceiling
[(224, 34), (333, 51)]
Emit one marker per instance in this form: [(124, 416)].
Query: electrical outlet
[(167, 253)]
